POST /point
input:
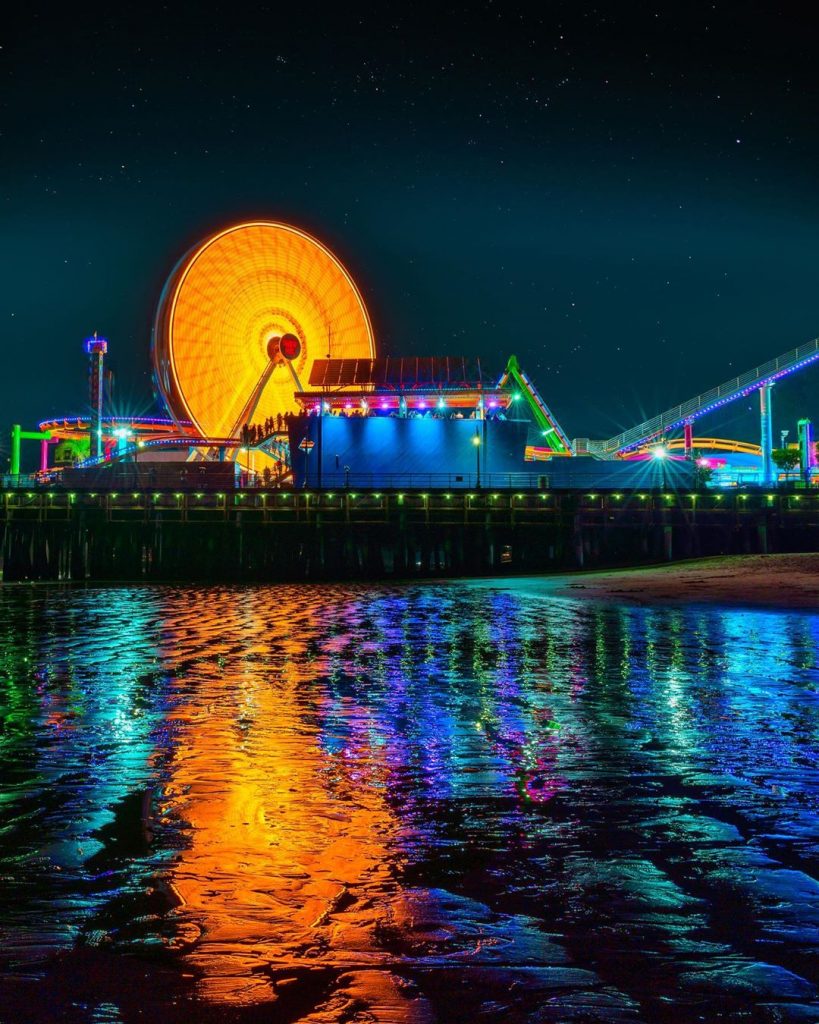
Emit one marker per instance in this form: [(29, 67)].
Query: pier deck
[(263, 535)]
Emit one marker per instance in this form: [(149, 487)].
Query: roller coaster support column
[(807, 451), (14, 465), (688, 429), (18, 435), (766, 432), (44, 443)]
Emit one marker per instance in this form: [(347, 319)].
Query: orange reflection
[(293, 850)]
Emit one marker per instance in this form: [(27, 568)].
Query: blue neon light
[(718, 404)]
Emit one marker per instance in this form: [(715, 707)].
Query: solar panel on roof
[(398, 372), (318, 372)]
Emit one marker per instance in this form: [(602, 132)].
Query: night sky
[(623, 195)]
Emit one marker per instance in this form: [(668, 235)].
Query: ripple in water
[(457, 802)]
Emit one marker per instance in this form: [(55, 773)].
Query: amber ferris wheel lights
[(251, 295)]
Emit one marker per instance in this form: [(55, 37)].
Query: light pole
[(476, 440)]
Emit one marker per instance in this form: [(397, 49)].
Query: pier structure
[(307, 535)]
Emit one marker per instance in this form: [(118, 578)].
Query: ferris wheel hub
[(281, 347)]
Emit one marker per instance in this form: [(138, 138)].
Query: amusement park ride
[(261, 336)]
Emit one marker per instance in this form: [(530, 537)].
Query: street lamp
[(476, 440)]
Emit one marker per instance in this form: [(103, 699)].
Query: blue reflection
[(629, 793)]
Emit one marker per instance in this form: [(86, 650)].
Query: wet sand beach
[(464, 802), (772, 581)]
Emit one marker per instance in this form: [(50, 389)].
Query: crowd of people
[(255, 433), (271, 476)]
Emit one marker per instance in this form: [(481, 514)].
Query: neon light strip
[(673, 425), (83, 421), (159, 442)]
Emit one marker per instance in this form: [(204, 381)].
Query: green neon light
[(549, 429), (17, 436)]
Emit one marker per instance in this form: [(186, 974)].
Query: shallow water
[(452, 801)]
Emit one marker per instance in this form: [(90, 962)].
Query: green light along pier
[(255, 535)]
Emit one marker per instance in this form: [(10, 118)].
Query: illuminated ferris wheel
[(242, 319)]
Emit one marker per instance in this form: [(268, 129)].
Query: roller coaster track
[(128, 451), (715, 444), (554, 438), (687, 412), (274, 445)]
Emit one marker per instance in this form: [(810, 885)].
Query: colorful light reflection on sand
[(413, 802)]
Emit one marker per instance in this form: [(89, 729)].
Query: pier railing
[(365, 505)]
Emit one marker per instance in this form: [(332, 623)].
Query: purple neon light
[(809, 444)]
